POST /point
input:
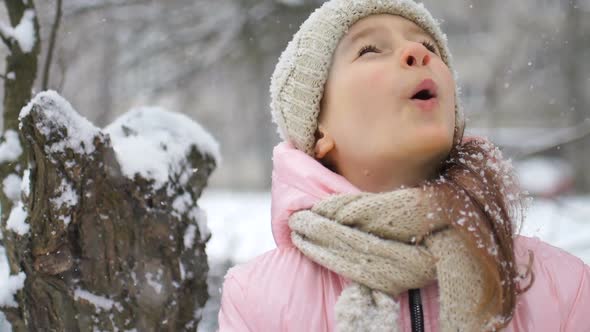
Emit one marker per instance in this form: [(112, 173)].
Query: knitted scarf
[(386, 244)]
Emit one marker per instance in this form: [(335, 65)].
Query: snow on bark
[(23, 33), (10, 149), (153, 142), (100, 302), (79, 133), (11, 185), (16, 219), (117, 250), (10, 286)]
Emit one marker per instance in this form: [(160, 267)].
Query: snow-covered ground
[(239, 223), (563, 222)]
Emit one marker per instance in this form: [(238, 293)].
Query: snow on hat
[(297, 84)]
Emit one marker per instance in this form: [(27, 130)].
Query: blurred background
[(523, 68)]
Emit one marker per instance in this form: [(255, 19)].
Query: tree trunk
[(96, 248), (21, 71), (105, 251)]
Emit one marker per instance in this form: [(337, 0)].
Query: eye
[(430, 46), (368, 49)]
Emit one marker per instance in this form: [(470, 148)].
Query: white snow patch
[(10, 285), (66, 220), (181, 204), (4, 268), (11, 186), (16, 219), (186, 175), (153, 282), (25, 186), (182, 271), (200, 216), (240, 224), (152, 142), (10, 149), (561, 222), (24, 32), (80, 132), (68, 195), (189, 236), (4, 324), (98, 301)]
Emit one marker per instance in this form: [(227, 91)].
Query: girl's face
[(371, 119)]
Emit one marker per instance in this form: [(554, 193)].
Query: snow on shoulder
[(57, 112), (151, 142)]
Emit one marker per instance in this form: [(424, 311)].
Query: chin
[(433, 144), (434, 131)]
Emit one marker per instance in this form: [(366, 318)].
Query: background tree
[(21, 38)]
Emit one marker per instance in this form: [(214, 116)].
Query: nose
[(415, 54)]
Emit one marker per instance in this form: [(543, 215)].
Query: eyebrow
[(352, 38), (415, 29), (349, 40)]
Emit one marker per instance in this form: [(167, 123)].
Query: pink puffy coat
[(282, 290)]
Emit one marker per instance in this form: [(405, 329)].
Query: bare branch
[(565, 136), (51, 46), (63, 69), (77, 9)]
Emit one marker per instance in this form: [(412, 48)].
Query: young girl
[(385, 217)]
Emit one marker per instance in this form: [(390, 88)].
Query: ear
[(324, 143)]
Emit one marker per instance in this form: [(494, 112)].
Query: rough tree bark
[(105, 251)]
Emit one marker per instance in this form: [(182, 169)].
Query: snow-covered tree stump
[(109, 235)]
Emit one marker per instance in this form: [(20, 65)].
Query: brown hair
[(480, 197)]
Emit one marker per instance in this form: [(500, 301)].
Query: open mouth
[(425, 90), (424, 95)]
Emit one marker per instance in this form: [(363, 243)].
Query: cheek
[(369, 98), (366, 96), (449, 102), (365, 85), (377, 77)]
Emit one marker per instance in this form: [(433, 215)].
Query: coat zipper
[(416, 313)]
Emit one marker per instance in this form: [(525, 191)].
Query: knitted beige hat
[(297, 84)]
